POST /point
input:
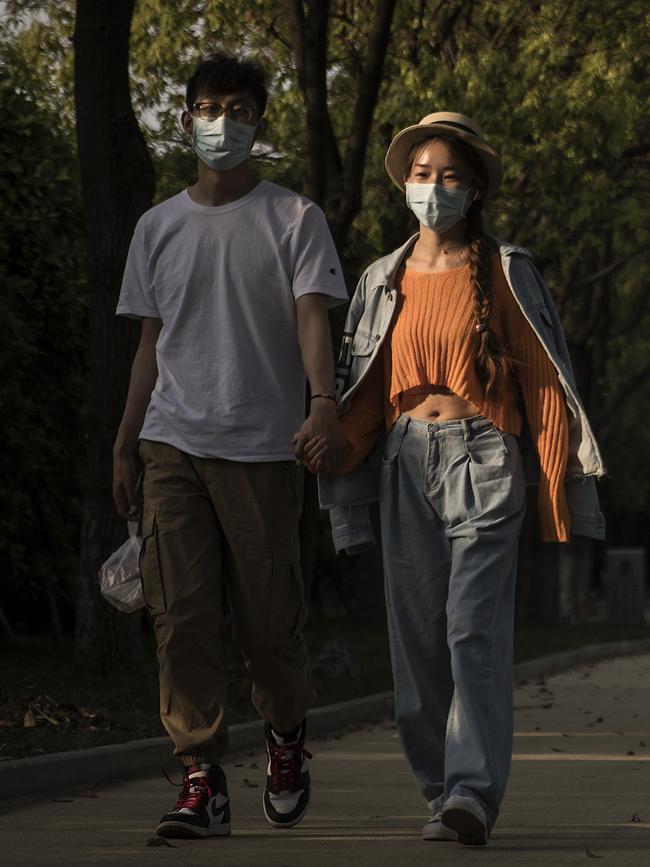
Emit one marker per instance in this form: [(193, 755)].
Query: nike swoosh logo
[(218, 811)]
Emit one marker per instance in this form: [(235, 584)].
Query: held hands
[(125, 477), (320, 444)]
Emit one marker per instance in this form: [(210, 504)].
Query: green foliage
[(559, 87), (42, 352)]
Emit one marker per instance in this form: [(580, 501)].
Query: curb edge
[(23, 777)]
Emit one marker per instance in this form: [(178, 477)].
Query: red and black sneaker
[(286, 796), (203, 806)]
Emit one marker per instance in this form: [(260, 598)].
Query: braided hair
[(492, 362)]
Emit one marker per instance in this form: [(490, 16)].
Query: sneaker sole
[(471, 831), (179, 830), (439, 837), (291, 824)]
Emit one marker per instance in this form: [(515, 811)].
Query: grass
[(71, 709)]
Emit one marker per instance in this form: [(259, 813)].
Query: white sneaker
[(203, 806), (435, 830), (286, 795), (467, 817)]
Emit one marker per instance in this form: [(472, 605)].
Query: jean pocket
[(394, 440), (150, 572), (287, 606), (487, 448)]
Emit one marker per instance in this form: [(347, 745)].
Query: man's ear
[(260, 129), (186, 122)]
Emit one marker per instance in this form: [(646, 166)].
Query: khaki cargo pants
[(221, 535)]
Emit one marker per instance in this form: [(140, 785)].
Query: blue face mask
[(438, 207), (222, 144)]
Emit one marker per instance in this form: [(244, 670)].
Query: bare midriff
[(437, 403)]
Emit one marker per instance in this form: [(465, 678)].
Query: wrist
[(323, 407), (123, 449)]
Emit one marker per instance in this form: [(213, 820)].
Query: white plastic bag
[(119, 577)]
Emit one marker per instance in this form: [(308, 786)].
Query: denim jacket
[(371, 310)]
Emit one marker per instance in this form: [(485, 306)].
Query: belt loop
[(466, 430)]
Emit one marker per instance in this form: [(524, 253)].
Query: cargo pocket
[(150, 572), (287, 607)]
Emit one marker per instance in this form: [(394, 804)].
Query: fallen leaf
[(557, 750), (630, 753), (247, 784), (600, 719), (591, 854), (642, 743), (254, 766), (87, 713), (159, 841), (48, 718), (635, 818), (29, 722), (238, 766)]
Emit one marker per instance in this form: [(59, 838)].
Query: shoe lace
[(194, 792), (286, 766)]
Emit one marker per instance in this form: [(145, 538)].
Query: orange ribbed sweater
[(433, 341)]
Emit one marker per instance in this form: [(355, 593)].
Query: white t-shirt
[(224, 280)]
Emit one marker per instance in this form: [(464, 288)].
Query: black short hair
[(226, 73)]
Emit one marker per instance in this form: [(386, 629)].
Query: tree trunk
[(117, 181), (336, 183)]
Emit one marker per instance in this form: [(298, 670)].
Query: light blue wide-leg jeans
[(452, 503)]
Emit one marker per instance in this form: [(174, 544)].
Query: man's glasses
[(241, 112)]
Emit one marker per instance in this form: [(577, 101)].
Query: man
[(232, 280)]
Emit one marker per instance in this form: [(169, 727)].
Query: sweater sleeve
[(546, 412), (365, 419)]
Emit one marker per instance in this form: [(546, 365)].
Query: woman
[(453, 346)]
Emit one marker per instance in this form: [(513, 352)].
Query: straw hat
[(447, 123)]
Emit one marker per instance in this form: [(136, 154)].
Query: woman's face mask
[(438, 207), (223, 143)]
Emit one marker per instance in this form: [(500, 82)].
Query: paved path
[(580, 788)]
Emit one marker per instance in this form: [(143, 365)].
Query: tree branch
[(634, 151), (364, 109), (607, 269)]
